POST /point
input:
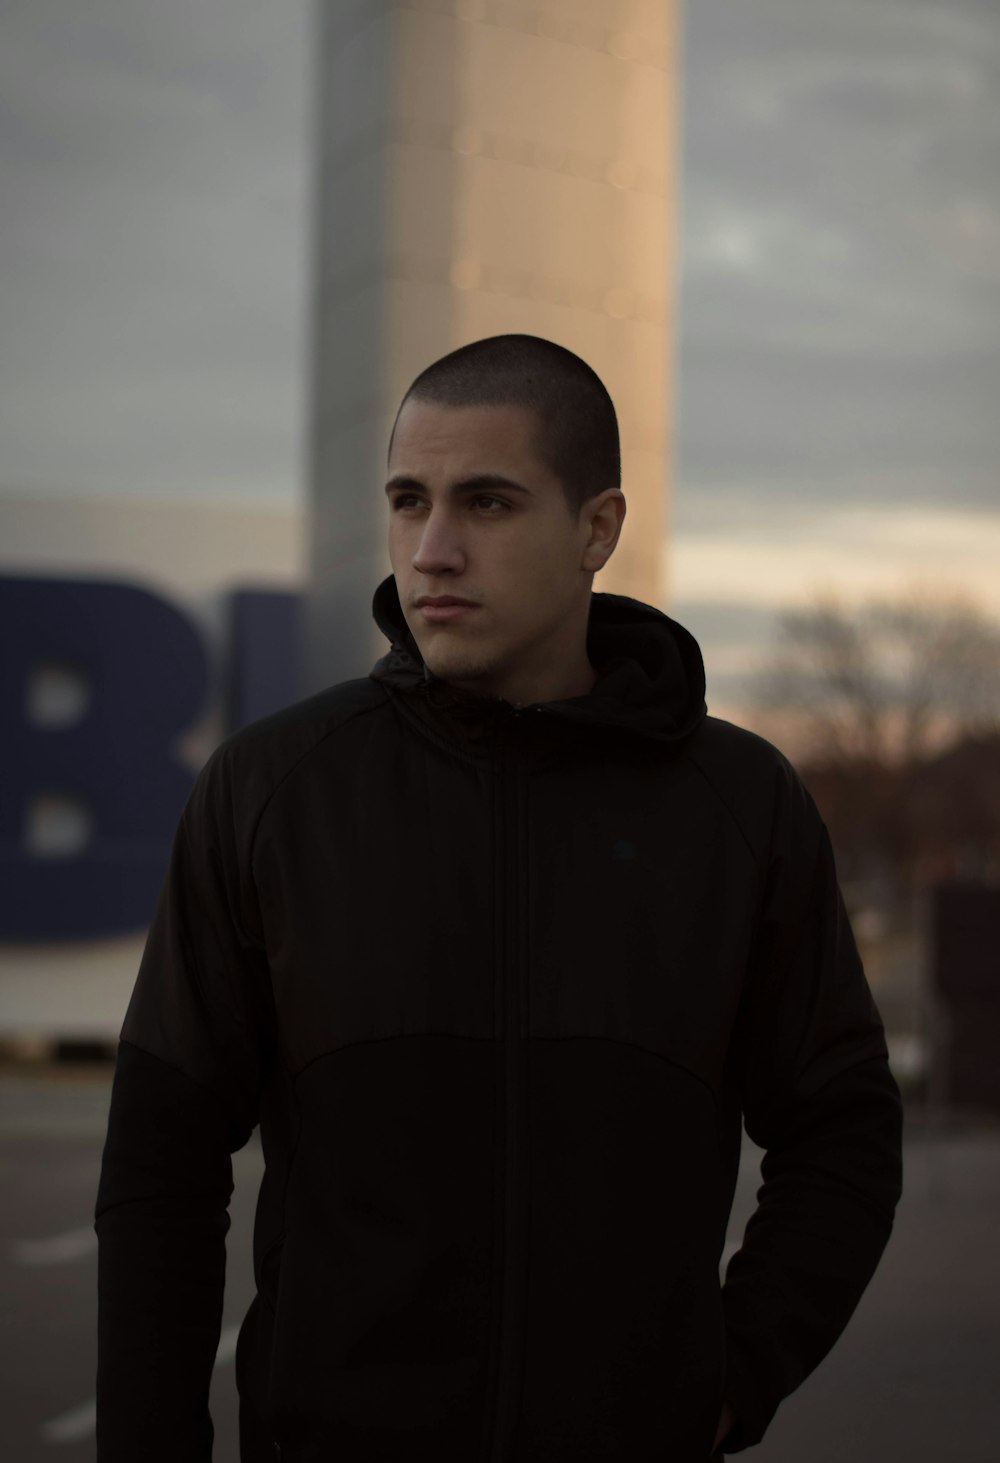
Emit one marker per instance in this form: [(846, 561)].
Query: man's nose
[(440, 545)]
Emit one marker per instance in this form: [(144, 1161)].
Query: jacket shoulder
[(726, 747), (750, 775), (249, 764), (297, 727)]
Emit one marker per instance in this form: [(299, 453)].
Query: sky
[(838, 339)]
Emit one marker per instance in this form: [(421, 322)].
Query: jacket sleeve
[(196, 1036), (819, 1098)]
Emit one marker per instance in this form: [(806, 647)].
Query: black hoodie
[(499, 984)]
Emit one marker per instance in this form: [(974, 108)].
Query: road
[(912, 1378)]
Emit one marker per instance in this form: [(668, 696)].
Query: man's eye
[(404, 499)]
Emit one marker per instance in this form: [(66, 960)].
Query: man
[(498, 945)]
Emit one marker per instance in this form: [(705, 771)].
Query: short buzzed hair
[(577, 425)]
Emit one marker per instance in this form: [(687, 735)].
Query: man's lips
[(446, 608)]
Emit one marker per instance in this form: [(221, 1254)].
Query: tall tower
[(484, 166)]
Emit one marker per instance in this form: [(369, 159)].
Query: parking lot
[(913, 1378)]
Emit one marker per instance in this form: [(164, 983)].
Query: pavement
[(913, 1377)]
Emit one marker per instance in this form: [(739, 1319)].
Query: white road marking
[(80, 1422), (70, 1427), (227, 1345), (57, 1249)]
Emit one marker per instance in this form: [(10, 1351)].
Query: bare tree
[(891, 710), (886, 683)]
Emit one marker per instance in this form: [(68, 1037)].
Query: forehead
[(461, 439)]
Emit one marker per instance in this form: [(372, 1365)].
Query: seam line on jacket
[(289, 772), (724, 801), (457, 1036)]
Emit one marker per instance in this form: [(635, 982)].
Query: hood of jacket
[(650, 674)]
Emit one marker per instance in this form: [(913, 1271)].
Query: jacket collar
[(650, 675)]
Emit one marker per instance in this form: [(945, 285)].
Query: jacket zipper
[(513, 923)]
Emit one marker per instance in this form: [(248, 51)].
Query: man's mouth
[(447, 609)]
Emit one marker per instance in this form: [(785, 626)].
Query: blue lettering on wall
[(146, 675), (263, 670)]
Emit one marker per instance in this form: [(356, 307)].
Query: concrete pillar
[(484, 166)]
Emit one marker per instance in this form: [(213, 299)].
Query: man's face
[(475, 513)]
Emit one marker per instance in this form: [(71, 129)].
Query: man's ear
[(606, 513)]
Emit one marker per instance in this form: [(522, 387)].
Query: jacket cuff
[(753, 1411)]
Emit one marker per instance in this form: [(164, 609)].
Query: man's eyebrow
[(480, 483)]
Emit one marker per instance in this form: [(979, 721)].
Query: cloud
[(731, 576), (730, 583), (840, 283), (153, 170), (859, 548)]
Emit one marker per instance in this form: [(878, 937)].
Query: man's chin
[(472, 675)]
